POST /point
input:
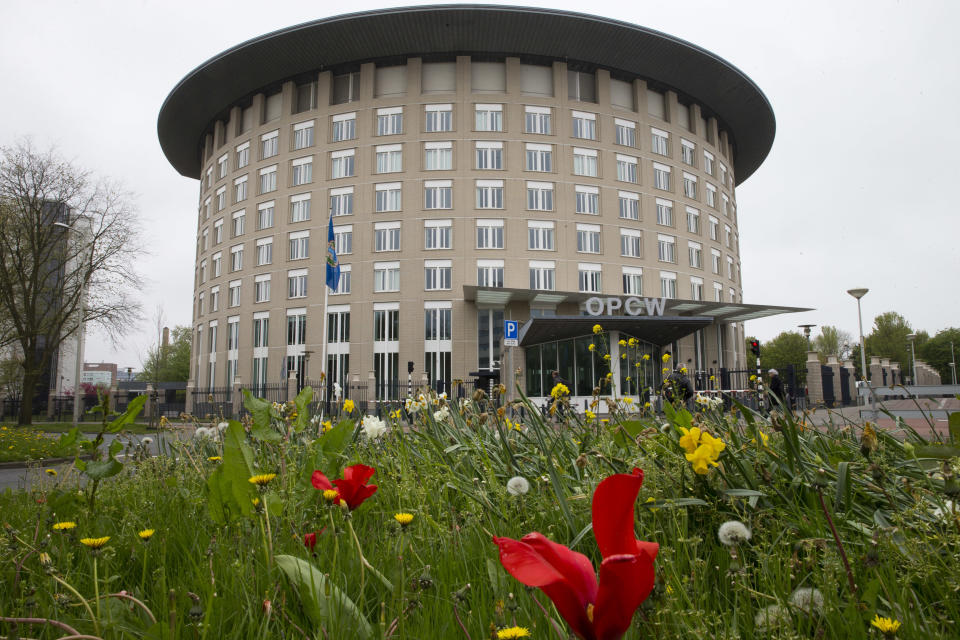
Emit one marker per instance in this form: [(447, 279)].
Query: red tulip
[(594, 612), (352, 487), (310, 539)]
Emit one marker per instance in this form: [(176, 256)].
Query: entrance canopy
[(658, 330)]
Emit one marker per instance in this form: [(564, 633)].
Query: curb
[(45, 462)]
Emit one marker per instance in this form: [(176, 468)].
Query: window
[(343, 239), (341, 164), (233, 334), (439, 117), (539, 157), (388, 197), (436, 274), (261, 288), (661, 176), (489, 155), (582, 86), (690, 185), (346, 88), (668, 284), (693, 220), (437, 234), (236, 257), (626, 132), (269, 144), (537, 120), (264, 251), (300, 208), (268, 179), (666, 248), (631, 243), (543, 275), (488, 117), (723, 174), (489, 194), (659, 142), (386, 276), (726, 204), (265, 215), (585, 162), (205, 240), (540, 196), (206, 209), (303, 135), (200, 308), (633, 281), (343, 287), (715, 261), (540, 235), (296, 327), (240, 189), (299, 245), (344, 127), (708, 162), (390, 121), (714, 228), (261, 330), (490, 273), (305, 97), (588, 238), (386, 236), (438, 194), (728, 236), (297, 283), (629, 204), (222, 166), (718, 292), (437, 156), (218, 231), (664, 212), (243, 155), (696, 288), (209, 177), (217, 263), (389, 158), (584, 125), (627, 169), (711, 195), (730, 267), (489, 234), (238, 222), (687, 150), (234, 293), (588, 278), (695, 251), (221, 198), (214, 299), (587, 199), (203, 271), (302, 171), (341, 201)]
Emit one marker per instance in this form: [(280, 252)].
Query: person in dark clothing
[(776, 388), (678, 387)]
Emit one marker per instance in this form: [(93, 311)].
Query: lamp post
[(806, 332), (859, 293), (913, 354), (78, 370), (953, 365)]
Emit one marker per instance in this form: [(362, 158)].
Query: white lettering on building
[(631, 306)]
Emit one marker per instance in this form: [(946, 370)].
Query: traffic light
[(755, 347)]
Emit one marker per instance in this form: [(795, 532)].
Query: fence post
[(237, 397), (291, 385), (188, 401), (149, 407), (814, 377), (50, 402)]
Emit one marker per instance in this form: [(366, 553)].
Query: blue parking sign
[(511, 328)]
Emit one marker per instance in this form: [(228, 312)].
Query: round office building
[(477, 165)]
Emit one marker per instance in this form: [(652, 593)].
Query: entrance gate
[(826, 375)]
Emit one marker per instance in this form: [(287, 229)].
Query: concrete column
[(188, 408), (814, 378), (851, 380), (113, 397), (291, 385), (150, 406), (876, 375), (237, 396), (834, 365), (895, 373), (50, 396), (885, 367), (371, 395)]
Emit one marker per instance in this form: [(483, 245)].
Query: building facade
[(470, 180)]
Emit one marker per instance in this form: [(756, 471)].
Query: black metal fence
[(213, 403)]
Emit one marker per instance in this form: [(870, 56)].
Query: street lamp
[(78, 370), (859, 293), (806, 332), (913, 354)]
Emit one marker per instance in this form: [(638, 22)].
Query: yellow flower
[(636, 364), (646, 405), (753, 378), (403, 518), (261, 479), (887, 626), (597, 328), (559, 391), (665, 371), (330, 495), (590, 415), (50, 472), (713, 378), (646, 356), (716, 444), (609, 376), (146, 534), (632, 342), (348, 406), (690, 438), (701, 458), (623, 356), (514, 632), (764, 438), (666, 357), (628, 400), (683, 370), (606, 357), (592, 347), (327, 425), (622, 343), (95, 543), (255, 501), (64, 526), (214, 459)]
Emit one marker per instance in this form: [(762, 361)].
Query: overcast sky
[(858, 191)]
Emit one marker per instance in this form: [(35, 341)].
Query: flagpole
[(323, 361)]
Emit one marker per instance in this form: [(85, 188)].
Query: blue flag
[(333, 265)]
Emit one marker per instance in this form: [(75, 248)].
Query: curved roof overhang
[(207, 92)]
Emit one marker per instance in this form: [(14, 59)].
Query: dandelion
[(146, 441), (597, 328), (146, 534), (50, 472), (807, 599), (646, 356), (592, 347), (887, 626), (222, 426), (733, 532), (348, 406), (772, 617), (330, 495), (513, 632), (373, 427), (590, 415), (606, 357), (518, 486), (95, 544), (753, 378), (64, 526), (214, 458), (403, 519), (609, 376), (262, 479), (622, 343), (559, 391), (666, 357)]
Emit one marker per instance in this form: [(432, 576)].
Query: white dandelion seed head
[(517, 486), (222, 426), (373, 427), (807, 599), (772, 617), (665, 428), (733, 532), (147, 440), (203, 432)]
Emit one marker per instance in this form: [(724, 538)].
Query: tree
[(889, 340), (832, 340), (170, 362), (936, 352), (788, 348), (67, 245)]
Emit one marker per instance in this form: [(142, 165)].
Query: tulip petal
[(320, 481), (358, 473), (625, 582), (613, 517)]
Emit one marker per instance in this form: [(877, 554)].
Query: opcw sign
[(631, 306)]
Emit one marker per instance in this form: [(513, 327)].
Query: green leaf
[(100, 469), (333, 442), (260, 410), (744, 493), (265, 433), (115, 447), (69, 438), (302, 402), (215, 498), (942, 451), (498, 577), (954, 425), (842, 500), (673, 504), (237, 469), (631, 428), (275, 504), (323, 602), (128, 416), (577, 538)]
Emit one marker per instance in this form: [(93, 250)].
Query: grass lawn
[(86, 427), (31, 444)]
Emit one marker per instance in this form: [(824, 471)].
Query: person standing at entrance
[(776, 388)]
